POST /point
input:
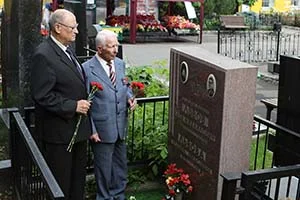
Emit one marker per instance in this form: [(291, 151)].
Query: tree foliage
[(219, 7), (248, 2), (212, 8)]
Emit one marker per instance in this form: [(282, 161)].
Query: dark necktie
[(75, 62), (112, 74)]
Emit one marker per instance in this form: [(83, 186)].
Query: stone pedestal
[(211, 117)]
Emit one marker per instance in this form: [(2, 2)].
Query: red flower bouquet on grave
[(95, 86), (177, 182)]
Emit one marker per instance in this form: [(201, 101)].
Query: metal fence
[(150, 116), (264, 181), (32, 177), (146, 124), (257, 46)]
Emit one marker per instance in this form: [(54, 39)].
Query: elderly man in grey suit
[(109, 112)]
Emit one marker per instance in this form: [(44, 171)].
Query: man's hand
[(83, 106), (95, 137), (132, 103)]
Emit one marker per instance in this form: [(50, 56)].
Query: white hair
[(103, 35), (58, 16)]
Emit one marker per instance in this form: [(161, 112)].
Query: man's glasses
[(71, 27)]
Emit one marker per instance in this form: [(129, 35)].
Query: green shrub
[(150, 140)]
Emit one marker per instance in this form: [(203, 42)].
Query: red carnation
[(95, 86), (177, 181), (137, 89)]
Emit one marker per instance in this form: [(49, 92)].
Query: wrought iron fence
[(257, 46), (149, 118), (264, 181), (33, 179), (32, 175), (147, 122)]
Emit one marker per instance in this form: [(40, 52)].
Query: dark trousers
[(68, 168)]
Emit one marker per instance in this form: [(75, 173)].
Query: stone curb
[(274, 79)]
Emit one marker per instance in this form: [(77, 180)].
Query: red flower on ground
[(172, 192), (177, 181)]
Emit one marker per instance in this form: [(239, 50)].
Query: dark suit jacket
[(56, 85)]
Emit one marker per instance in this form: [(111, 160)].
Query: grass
[(145, 191), (261, 151), (147, 195)]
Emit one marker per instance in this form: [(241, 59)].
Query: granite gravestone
[(211, 114), (288, 112)]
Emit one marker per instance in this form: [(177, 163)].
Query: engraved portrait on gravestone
[(184, 72), (211, 85)]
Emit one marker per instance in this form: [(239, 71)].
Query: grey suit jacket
[(109, 107)]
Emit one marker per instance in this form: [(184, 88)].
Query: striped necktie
[(112, 74)]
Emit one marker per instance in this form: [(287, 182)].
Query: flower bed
[(181, 26), (145, 23)]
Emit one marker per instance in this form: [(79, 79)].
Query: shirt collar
[(104, 62), (63, 47)]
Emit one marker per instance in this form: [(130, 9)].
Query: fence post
[(12, 147), (218, 43), (229, 185), (277, 27), (11, 135)]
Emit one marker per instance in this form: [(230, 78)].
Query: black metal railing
[(143, 122), (264, 181), (274, 183), (150, 116), (33, 179), (257, 46)]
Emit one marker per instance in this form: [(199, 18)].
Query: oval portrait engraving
[(184, 72), (211, 85)]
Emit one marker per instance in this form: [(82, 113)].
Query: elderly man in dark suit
[(109, 117), (59, 92)]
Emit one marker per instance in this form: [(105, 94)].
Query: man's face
[(110, 50), (67, 29)]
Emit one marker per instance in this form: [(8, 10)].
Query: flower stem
[(70, 146)]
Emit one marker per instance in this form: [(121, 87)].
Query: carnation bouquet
[(95, 86), (177, 182), (137, 89)]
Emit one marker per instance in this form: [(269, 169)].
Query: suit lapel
[(118, 70), (64, 58), (97, 70)]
